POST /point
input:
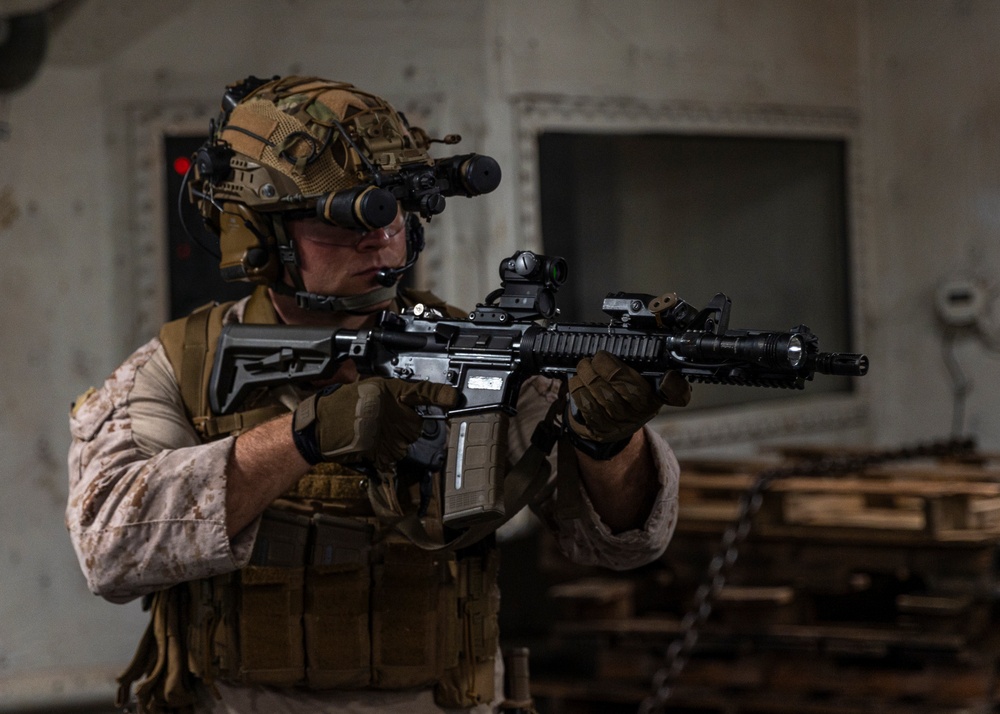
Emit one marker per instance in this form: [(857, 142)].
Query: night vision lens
[(364, 208), (480, 174), (468, 174)]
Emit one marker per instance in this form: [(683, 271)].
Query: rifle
[(506, 339)]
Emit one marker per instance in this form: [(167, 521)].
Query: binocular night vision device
[(418, 188)]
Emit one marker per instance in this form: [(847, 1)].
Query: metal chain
[(680, 649)]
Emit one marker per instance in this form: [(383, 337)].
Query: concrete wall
[(914, 78), (932, 114)]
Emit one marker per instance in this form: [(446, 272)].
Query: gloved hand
[(371, 420), (613, 400)]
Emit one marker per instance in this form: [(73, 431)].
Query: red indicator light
[(182, 164)]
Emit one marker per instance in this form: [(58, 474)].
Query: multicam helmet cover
[(289, 146)]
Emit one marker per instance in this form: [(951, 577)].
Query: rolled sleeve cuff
[(588, 541)]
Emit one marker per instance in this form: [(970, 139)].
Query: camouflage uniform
[(147, 511)]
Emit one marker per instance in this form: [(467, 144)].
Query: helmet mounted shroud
[(304, 146)]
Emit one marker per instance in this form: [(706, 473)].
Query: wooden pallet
[(594, 598), (906, 505), (869, 592), (780, 581), (833, 668)]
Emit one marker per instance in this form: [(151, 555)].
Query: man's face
[(339, 261)]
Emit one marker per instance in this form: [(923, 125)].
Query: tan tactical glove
[(371, 420), (613, 401)]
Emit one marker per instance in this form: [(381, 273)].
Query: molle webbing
[(327, 604), (330, 482)]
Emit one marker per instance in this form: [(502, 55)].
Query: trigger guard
[(429, 450)]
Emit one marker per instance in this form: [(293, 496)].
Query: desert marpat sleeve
[(147, 500), (579, 531)]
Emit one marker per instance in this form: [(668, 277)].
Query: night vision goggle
[(417, 188)]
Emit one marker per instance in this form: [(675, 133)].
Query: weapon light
[(796, 351)]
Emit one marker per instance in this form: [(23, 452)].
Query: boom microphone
[(389, 276)]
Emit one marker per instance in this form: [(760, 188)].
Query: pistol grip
[(475, 469)]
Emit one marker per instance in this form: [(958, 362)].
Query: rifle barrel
[(844, 364)]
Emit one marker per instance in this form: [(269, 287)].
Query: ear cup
[(256, 257), (247, 242)]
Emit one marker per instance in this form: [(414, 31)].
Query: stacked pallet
[(871, 591)]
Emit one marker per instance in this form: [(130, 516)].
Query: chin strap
[(352, 303)]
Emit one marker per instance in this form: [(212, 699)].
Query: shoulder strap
[(188, 347), (190, 344)]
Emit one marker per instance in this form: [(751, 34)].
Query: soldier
[(275, 581)]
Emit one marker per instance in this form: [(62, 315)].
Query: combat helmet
[(304, 146)]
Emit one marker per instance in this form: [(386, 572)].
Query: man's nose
[(376, 239)]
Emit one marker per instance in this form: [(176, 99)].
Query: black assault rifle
[(502, 342)]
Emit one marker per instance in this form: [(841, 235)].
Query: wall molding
[(145, 256)]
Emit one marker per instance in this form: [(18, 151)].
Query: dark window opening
[(763, 220)]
